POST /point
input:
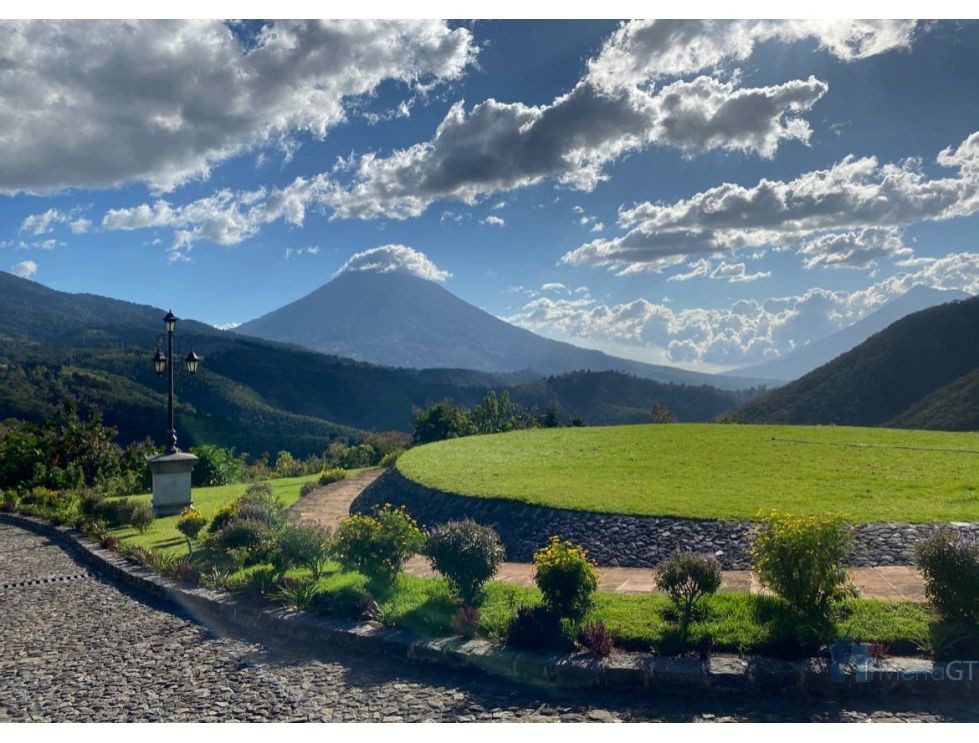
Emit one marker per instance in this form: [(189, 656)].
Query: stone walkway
[(84, 650), (329, 504)]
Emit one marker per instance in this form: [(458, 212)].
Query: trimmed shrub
[(566, 577), (949, 563), (190, 523), (378, 546), (686, 578), (348, 602), (334, 474), (595, 638), (467, 554), (535, 627), (302, 545), (255, 539), (801, 559), (307, 488), (141, 516), (222, 517)]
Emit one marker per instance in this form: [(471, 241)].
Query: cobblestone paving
[(85, 650)]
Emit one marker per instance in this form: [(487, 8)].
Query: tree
[(440, 421), (662, 414)]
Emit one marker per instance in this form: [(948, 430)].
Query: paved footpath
[(75, 648), (329, 504)]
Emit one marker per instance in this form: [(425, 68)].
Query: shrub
[(216, 466), (303, 545), (466, 553), (165, 563), (535, 627), (190, 523), (141, 516), (136, 554), (260, 504), (307, 488), (334, 474), (109, 542), (186, 573), (91, 503), (9, 501), (801, 559), (949, 563), (115, 511), (595, 638), (260, 582), (378, 546), (440, 421), (686, 578), (296, 593), (391, 457), (566, 577), (222, 517), (348, 602), (466, 621), (255, 538)]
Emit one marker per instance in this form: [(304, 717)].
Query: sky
[(702, 194)]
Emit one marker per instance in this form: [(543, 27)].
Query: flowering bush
[(566, 577), (801, 559), (302, 545), (190, 523), (378, 546), (466, 553)]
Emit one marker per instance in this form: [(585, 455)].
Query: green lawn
[(715, 471), (163, 535)]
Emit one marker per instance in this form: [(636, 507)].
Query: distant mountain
[(908, 374), (397, 319), (258, 395), (816, 353)]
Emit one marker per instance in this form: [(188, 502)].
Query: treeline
[(495, 414)]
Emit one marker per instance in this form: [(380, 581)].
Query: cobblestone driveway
[(76, 648)]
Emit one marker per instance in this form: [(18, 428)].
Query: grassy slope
[(715, 471)]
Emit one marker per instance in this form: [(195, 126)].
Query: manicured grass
[(715, 471), (163, 534)]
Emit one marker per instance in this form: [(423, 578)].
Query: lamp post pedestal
[(171, 482)]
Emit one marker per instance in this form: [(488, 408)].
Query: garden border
[(622, 540), (723, 674)]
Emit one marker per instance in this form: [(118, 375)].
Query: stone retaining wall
[(636, 672), (618, 540)]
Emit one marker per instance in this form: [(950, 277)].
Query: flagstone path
[(327, 505)]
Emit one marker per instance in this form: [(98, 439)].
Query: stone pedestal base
[(171, 482)]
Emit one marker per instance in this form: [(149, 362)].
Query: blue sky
[(705, 195)]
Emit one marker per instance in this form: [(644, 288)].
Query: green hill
[(887, 376), (259, 395), (954, 407)]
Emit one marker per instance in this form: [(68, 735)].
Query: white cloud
[(41, 224), (24, 269), (225, 217), (227, 326), (161, 102), (640, 51), (748, 331), (848, 215), (493, 221), (391, 258), (553, 286), (296, 252), (80, 226)]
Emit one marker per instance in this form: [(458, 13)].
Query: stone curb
[(718, 674), (621, 540)]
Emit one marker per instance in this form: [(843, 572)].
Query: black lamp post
[(160, 365)]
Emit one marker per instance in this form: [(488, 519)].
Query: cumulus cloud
[(849, 215), (225, 217), (647, 50), (163, 101), (24, 269), (493, 221), (45, 222), (394, 258), (747, 331), (501, 146)]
